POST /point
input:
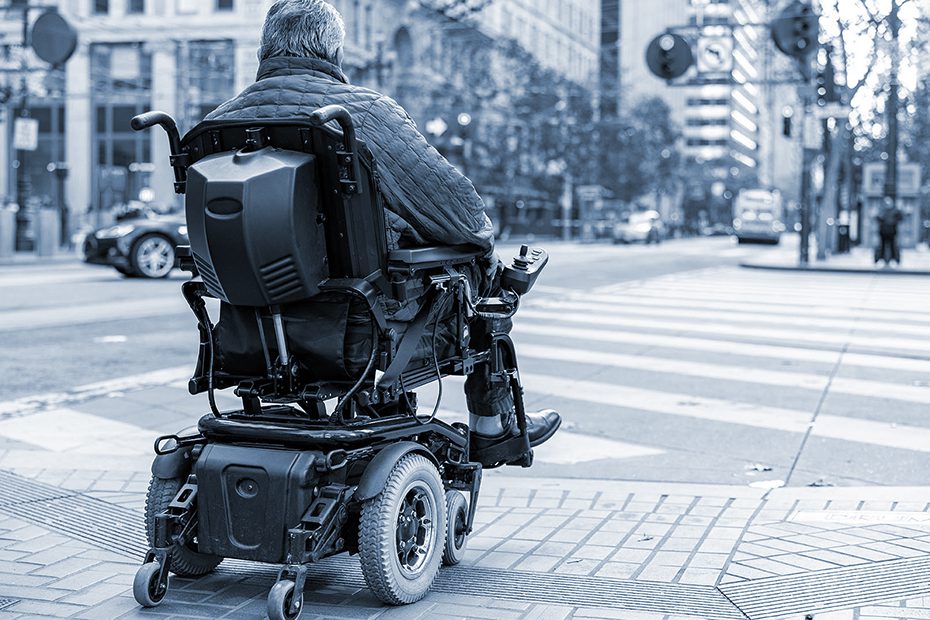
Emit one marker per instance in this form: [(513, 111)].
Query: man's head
[(308, 28)]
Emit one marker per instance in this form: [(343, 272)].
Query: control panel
[(521, 274)]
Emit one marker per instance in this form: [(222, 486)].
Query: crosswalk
[(709, 370), (839, 358)]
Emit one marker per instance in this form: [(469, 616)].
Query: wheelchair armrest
[(433, 256)]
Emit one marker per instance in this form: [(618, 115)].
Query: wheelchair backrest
[(276, 207)]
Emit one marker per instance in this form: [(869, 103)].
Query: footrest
[(513, 451)]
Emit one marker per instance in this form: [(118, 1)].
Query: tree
[(639, 151)]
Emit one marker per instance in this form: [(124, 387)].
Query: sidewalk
[(71, 538), (542, 548), (859, 260)]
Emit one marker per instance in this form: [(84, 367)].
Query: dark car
[(141, 246)]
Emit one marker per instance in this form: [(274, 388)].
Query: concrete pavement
[(699, 406)]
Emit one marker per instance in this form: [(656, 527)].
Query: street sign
[(715, 54), (669, 56), (53, 38), (26, 134), (834, 109)]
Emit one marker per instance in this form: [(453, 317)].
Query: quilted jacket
[(427, 198)]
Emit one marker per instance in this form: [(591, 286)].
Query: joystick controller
[(521, 274)]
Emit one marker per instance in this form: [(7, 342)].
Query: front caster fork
[(296, 573), (151, 582)]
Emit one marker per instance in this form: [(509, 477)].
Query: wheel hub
[(415, 530)]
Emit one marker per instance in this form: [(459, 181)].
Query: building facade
[(185, 57), (729, 105)]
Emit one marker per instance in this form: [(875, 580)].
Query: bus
[(758, 216)]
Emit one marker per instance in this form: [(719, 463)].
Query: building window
[(707, 122), (696, 101), (122, 87), (206, 78), (705, 142), (101, 7), (136, 6), (224, 5)]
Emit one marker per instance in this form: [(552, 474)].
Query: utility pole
[(22, 180), (891, 169)]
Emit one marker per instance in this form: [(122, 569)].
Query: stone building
[(187, 56)]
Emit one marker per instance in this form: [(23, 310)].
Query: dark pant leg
[(483, 398)]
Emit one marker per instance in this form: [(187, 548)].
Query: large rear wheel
[(185, 561), (402, 532)]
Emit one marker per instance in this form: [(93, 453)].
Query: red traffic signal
[(669, 56), (796, 29)]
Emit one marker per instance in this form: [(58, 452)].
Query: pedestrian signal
[(668, 56), (796, 29)]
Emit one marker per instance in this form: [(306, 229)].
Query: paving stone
[(95, 594)]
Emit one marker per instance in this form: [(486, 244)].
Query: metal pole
[(807, 157), (891, 169), (22, 182)]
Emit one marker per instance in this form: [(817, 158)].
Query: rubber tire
[(377, 534), (185, 562), (456, 507), (279, 599), (127, 271), (132, 256), (142, 582)]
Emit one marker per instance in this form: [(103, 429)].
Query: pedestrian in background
[(887, 249)]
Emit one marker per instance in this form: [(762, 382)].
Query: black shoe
[(540, 427)]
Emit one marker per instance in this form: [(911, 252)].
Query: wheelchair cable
[(442, 309), (358, 384), (211, 396)]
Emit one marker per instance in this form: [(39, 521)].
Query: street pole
[(891, 169), (807, 158), (22, 181)]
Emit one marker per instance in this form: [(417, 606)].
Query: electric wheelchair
[(324, 334)]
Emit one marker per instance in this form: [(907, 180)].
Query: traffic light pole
[(891, 169), (807, 160)]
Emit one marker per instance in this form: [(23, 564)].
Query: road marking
[(732, 412), (568, 448), (868, 360), (35, 318), (100, 389), (67, 430), (753, 318), (781, 335), (609, 302), (725, 372), (919, 520)]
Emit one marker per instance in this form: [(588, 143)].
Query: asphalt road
[(668, 362)]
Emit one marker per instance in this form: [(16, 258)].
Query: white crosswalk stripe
[(707, 346), (864, 338)]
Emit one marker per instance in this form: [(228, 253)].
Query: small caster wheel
[(146, 586), (279, 601), (456, 523)]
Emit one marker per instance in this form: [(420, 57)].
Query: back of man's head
[(307, 28)]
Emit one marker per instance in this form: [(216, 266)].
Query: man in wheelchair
[(352, 264), (427, 200)]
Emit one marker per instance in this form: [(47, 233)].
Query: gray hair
[(311, 28)]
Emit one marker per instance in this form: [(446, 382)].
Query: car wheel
[(126, 271), (153, 256)]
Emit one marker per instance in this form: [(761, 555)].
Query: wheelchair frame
[(343, 459)]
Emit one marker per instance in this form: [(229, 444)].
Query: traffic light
[(796, 29), (826, 83), (668, 56)]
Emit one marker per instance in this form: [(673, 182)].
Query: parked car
[(640, 227), (141, 245)]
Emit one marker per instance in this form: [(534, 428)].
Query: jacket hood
[(296, 65)]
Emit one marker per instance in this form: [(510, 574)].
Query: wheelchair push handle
[(147, 120), (348, 157)]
